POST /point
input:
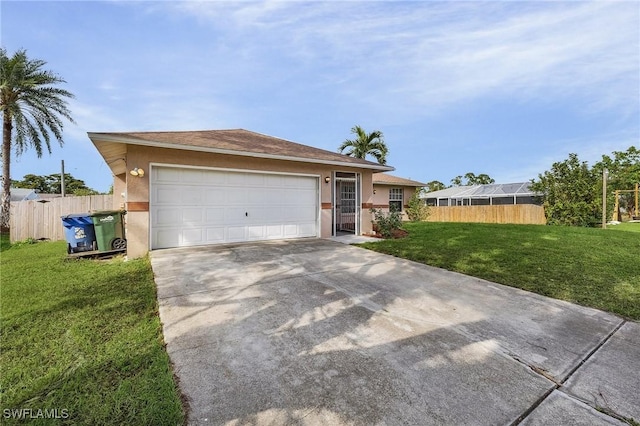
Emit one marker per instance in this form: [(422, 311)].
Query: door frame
[(357, 178)]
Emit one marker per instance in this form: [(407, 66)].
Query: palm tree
[(33, 107), (366, 144)]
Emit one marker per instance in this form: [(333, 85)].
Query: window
[(395, 199)]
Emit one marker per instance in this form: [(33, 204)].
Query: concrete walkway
[(317, 332), (354, 239)]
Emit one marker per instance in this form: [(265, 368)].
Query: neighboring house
[(389, 190), (223, 186), (483, 195), (22, 194), (48, 197)]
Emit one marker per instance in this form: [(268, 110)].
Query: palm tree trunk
[(7, 128)]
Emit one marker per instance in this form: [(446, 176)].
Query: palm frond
[(365, 144), (32, 99)]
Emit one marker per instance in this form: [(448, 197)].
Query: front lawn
[(82, 339), (626, 226), (591, 267)]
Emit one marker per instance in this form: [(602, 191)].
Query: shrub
[(417, 210), (386, 223)]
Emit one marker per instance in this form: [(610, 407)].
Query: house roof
[(233, 142), (387, 179), (483, 191), (22, 194)]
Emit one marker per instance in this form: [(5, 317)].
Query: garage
[(192, 206), (201, 187)]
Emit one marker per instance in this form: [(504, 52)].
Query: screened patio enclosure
[(483, 195)]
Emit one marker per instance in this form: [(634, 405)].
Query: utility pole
[(605, 176), (62, 179), (637, 190)]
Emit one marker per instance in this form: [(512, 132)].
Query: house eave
[(132, 141)]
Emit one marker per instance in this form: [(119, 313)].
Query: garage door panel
[(307, 229), (260, 197), (235, 233), (192, 216), (254, 180), (235, 197), (192, 237), (256, 232), (166, 174), (215, 235), (305, 198), (214, 216), (274, 181), (235, 216), (192, 176), (274, 231), (167, 237), (212, 196), (166, 195), (237, 179), (191, 195), (290, 230), (301, 213), (272, 214), (197, 206), (167, 216), (213, 178)]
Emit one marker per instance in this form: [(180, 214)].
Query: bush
[(417, 210), (386, 223)]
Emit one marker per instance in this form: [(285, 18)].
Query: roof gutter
[(132, 141)]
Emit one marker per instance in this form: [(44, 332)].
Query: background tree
[(481, 179), (435, 185), (624, 173), (34, 107), (570, 193), (51, 184), (39, 183), (365, 144), (472, 179), (456, 181)]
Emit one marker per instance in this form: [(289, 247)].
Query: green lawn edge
[(82, 337), (589, 266)]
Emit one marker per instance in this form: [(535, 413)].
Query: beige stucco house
[(389, 190), (223, 186)]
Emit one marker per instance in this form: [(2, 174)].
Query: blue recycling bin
[(79, 232)]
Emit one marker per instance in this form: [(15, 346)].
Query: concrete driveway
[(318, 332)]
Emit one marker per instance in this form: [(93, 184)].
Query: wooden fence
[(35, 219), (518, 213)]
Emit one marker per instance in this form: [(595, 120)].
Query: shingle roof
[(235, 141), (387, 179)]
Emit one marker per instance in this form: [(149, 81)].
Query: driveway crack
[(558, 383)]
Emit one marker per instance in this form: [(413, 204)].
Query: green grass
[(591, 267), (626, 226), (83, 336), (4, 241)]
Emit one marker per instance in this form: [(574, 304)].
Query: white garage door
[(192, 207)]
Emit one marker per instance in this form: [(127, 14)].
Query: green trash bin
[(109, 228)]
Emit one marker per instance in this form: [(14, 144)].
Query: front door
[(346, 202), (346, 215)]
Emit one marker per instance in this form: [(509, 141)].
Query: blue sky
[(502, 88)]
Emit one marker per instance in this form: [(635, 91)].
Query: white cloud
[(426, 56)]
